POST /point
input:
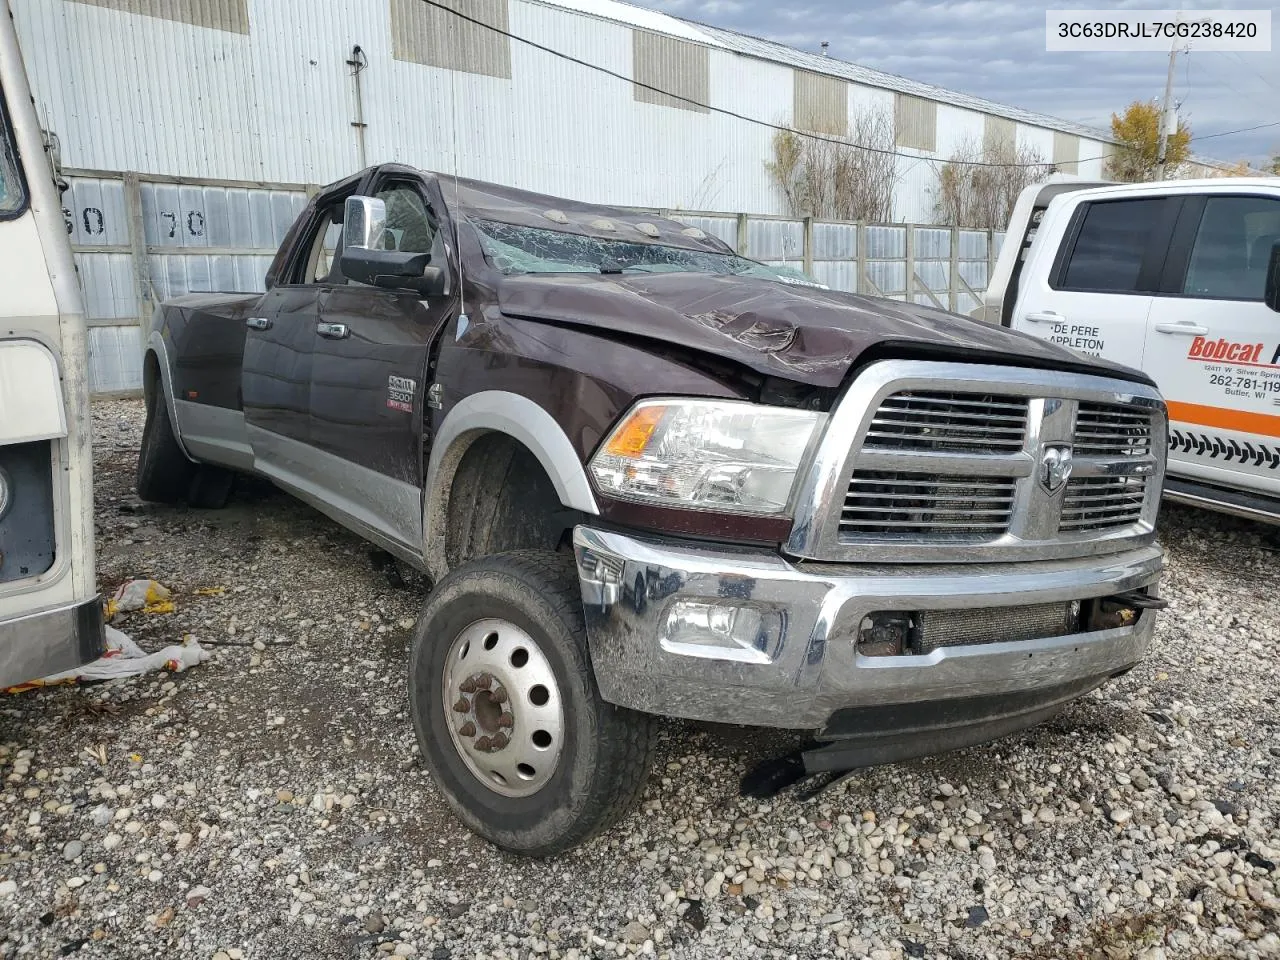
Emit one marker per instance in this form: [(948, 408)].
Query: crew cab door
[(1213, 346), (1091, 275), (276, 376), (369, 374)]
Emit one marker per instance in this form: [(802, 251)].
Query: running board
[(1250, 506)]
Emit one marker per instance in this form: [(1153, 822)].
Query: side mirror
[(364, 223), (1271, 293), (365, 260)]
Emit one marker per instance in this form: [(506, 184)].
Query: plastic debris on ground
[(123, 657), (145, 595)]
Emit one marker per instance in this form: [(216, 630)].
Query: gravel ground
[(269, 804)]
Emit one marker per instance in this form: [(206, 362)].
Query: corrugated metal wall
[(192, 91), (241, 100)]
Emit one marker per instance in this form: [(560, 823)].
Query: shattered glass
[(519, 249)]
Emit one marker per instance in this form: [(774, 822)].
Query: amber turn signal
[(630, 439)]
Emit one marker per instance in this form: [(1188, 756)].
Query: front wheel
[(508, 716)]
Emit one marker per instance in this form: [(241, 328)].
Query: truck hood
[(796, 332)]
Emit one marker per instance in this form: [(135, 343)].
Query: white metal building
[(262, 90)]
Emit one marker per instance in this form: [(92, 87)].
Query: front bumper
[(803, 671), (38, 644)]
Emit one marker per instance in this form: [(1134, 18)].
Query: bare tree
[(978, 187), (844, 178)]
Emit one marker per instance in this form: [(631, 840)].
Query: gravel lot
[(268, 803)]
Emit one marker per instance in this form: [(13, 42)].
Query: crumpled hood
[(800, 333)]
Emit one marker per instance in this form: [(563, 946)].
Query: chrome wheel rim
[(503, 707)]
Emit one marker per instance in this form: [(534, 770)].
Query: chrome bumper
[(38, 644), (802, 670)]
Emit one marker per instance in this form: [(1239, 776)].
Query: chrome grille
[(938, 462), (1099, 503), (881, 502), (959, 422), (1111, 430)]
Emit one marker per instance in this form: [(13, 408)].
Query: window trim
[(302, 247), (1186, 231), (382, 179), (1151, 260), (7, 133)]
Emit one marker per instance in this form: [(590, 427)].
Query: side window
[(13, 192), (1232, 247), (321, 246), (1109, 248), (409, 227)]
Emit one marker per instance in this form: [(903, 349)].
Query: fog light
[(6, 493), (885, 634), (709, 629)]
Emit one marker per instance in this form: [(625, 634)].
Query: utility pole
[(1167, 116)]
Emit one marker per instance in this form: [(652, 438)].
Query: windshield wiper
[(610, 265)]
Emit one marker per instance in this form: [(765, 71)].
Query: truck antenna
[(457, 209)]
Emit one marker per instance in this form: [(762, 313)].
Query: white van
[(1179, 279), (50, 615)]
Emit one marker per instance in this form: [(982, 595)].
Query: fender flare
[(497, 411), (155, 344)]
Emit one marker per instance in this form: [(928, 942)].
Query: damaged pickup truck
[(650, 477)]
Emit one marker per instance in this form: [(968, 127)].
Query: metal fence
[(945, 267), (139, 239)]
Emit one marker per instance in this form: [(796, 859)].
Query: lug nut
[(468, 685), (498, 741), (462, 706), (483, 681), (500, 695), (505, 720), (484, 743), (468, 729)]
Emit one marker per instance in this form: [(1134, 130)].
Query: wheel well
[(500, 499)]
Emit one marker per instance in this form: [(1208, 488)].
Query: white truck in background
[(1180, 279), (50, 614)]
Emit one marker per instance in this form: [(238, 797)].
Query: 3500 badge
[(400, 392)]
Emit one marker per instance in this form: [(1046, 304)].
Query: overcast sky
[(996, 49)]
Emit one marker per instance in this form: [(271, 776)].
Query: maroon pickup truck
[(647, 476)]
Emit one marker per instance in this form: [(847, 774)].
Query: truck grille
[(947, 462), (887, 503), (1111, 430), (1103, 502), (958, 422)]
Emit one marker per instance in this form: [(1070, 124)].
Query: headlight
[(725, 456)]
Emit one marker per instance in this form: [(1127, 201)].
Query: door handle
[(258, 323), (333, 331), (1048, 316), (1183, 329)]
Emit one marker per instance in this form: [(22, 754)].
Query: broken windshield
[(516, 249)]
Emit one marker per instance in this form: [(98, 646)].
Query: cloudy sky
[(996, 49)]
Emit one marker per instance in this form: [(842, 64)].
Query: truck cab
[(1180, 280), (50, 615)]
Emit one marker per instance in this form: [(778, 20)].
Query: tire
[(211, 487), (583, 775), (164, 472), (166, 475)]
